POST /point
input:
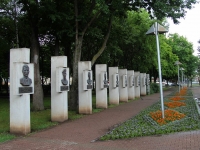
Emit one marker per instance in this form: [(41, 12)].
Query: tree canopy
[(111, 32)]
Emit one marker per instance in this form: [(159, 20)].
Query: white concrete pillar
[(142, 84), (21, 86), (131, 86), (148, 84), (59, 88), (137, 84), (85, 86), (113, 86), (123, 90), (101, 85)]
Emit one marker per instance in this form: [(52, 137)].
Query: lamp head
[(177, 63)]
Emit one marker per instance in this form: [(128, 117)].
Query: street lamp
[(156, 28), (182, 69), (178, 63)]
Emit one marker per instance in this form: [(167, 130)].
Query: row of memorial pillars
[(123, 86), (137, 84)]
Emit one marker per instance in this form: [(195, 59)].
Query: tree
[(191, 67), (4, 63), (198, 69), (184, 50), (93, 9), (169, 70), (50, 19), (8, 37), (31, 10)]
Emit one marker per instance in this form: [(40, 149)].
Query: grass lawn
[(144, 125), (39, 119), (4, 121)]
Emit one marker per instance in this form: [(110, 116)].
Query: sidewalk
[(80, 134)]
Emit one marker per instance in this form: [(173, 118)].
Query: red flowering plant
[(170, 115), (174, 104), (177, 98)]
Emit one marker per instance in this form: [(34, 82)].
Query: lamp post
[(156, 28), (182, 69), (178, 63)]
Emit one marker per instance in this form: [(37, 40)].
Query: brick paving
[(81, 134)]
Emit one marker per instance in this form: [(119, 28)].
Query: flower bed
[(170, 115), (183, 118)]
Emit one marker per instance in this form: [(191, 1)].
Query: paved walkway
[(80, 134)]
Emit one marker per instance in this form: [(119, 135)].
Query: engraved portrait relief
[(89, 81), (126, 81), (132, 81), (64, 80), (117, 80), (25, 81), (105, 79), (138, 80)]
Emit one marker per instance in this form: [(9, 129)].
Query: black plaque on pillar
[(64, 88), (23, 90), (89, 86), (105, 85)]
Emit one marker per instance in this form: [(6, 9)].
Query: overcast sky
[(189, 27)]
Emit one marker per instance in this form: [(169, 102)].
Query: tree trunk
[(57, 46), (73, 100), (1, 80), (16, 26), (96, 56), (188, 81), (73, 95), (38, 91), (67, 53)]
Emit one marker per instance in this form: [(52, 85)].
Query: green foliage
[(154, 88), (169, 70), (4, 58), (128, 44), (184, 50), (130, 22), (144, 125), (58, 26)]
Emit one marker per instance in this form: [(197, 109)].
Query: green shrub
[(154, 88)]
